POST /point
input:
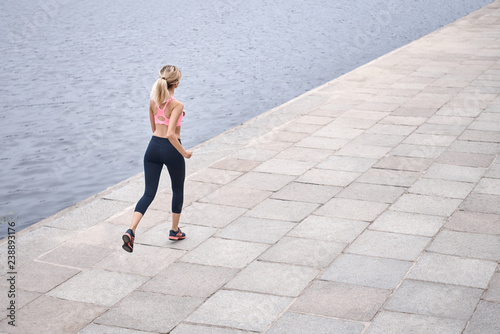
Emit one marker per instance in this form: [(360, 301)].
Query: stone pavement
[(368, 205)]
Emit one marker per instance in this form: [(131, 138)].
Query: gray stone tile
[(30, 319), (306, 192), (240, 310), (294, 323), (425, 139), (474, 222), (189, 329), (213, 175), (304, 154), (441, 129), (351, 209), (158, 236), (189, 279), (485, 203), (286, 167), (146, 261), (34, 242), (42, 277), (450, 120), (88, 214), (253, 153), (302, 128), (75, 255), (322, 143), (396, 323), (478, 246), (328, 177), (493, 171), (404, 163), (367, 271), (377, 139), (147, 311), (364, 151), (454, 173), (485, 319), (341, 300), (273, 278), (99, 329), (391, 129), (429, 205), (408, 223), (418, 151), (238, 165), (403, 120), (485, 136), (282, 210), (263, 181), (466, 159), (129, 192), (151, 218), (434, 299), (372, 192), (236, 196), (493, 292), (389, 177), (214, 215), (389, 245), (251, 229), (349, 164), (225, 253), (98, 287), (329, 229), (356, 123), (441, 188), (338, 131), (103, 235), (305, 252), (488, 186), (453, 270), (474, 147), (311, 119)]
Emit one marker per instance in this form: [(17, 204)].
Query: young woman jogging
[(165, 148)]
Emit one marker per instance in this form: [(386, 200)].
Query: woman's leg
[(177, 172)]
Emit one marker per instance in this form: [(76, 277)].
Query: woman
[(165, 148)]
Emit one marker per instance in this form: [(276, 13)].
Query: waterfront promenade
[(370, 204)]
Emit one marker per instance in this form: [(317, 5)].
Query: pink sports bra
[(161, 113)]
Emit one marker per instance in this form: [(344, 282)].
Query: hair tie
[(164, 78)]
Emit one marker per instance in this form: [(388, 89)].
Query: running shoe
[(128, 241), (179, 235)]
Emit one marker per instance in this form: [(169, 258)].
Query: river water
[(75, 77)]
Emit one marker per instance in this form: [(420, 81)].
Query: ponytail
[(169, 75)]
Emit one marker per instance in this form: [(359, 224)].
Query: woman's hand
[(188, 154)]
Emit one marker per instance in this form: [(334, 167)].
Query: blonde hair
[(169, 75)]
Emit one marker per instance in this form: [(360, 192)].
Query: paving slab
[(404, 163), (263, 181), (98, 287), (225, 253), (99, 329), (389, 245), (454, 173), (349, 164), (74, 254), (408, 223), (189, 279), (429, 205), (305, 252), (474, 147), (304, 154), (367, 271), (238, 165), (387, 322), (286, 167), (351, 209), (292, 211), (40, 316), (474, 222), (341, 300), (294, 323), (250, 229), (236, 196), (488, 186), (273, 279), (214, 215), (479, 246), (485, 319), (240, 310), (441, 188), (399, 178), (493, 292), (485, 203), (306, 192), (158, 236), (200, 329), (466, 159), (329, 229), (453, 270), (372, 192), (328, 177), (147, 311), (434, 299), (42, 277), (418, 151)]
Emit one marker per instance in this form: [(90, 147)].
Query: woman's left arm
[(152, 116)]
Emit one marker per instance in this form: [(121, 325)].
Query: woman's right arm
[(152, 115), (172, 137)]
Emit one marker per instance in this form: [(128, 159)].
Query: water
[(75, 77)]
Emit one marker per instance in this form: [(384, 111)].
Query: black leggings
[(159, 152)]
